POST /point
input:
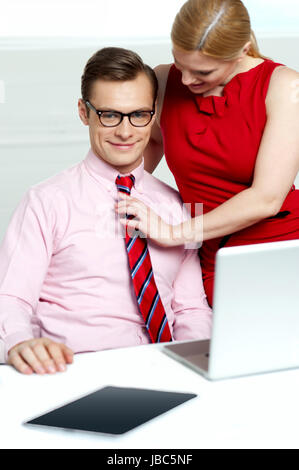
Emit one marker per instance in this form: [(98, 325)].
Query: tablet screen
[(112, 410)]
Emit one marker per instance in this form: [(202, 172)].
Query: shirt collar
[(106, 174)]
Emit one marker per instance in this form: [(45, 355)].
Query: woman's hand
[(151, 225)]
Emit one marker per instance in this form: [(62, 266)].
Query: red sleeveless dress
[(211, 144)]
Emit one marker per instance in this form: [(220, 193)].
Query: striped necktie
[(148, 298)]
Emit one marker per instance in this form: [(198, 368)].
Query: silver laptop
[(255, 314)]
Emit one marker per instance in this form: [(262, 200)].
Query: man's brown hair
[(115, 64)]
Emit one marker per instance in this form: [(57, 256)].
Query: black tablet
[(112, 410)]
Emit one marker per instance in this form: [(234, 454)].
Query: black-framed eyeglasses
[(112, 118)]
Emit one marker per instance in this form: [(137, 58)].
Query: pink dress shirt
[(64, 270)]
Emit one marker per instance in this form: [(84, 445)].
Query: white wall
[(79, 18), (130, 18)]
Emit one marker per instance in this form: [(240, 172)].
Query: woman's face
[(201, 73)]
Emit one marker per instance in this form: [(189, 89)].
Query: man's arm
[(25, 255), (193, 316)]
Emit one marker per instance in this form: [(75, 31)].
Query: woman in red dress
[(228, 124)]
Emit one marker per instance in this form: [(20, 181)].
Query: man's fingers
[(41, 356), (16, 361), (31, 356), (68, 353), (57, 353), (41, 352)]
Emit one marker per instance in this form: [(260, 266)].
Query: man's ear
[(83, 112)]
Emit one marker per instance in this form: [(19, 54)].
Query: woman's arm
[(276, 167), (155, 149)]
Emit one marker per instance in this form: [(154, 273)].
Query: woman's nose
[(187, 78)]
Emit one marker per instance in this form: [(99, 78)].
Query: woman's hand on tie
[(151, 225)]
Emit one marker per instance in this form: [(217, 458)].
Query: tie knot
[(125, 183)]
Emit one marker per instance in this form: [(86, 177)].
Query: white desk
[(260, 411)]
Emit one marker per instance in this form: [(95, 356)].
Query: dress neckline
[(214, 104), (237, 75)]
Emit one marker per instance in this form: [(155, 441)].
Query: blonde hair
[(217, 28)]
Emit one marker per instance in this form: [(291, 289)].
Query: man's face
[(121, 146)]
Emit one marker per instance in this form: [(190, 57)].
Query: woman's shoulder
[(284, 83), (283, 74)]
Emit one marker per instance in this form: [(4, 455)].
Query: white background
[(130, 18)]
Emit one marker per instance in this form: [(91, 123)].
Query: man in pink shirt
[(65, 283)]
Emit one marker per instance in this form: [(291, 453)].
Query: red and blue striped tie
[(148, 298)]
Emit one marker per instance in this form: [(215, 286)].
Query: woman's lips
[(197, 85)]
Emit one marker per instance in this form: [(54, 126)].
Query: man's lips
[(122, 146)]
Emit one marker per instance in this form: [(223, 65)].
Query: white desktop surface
[(260, 411)]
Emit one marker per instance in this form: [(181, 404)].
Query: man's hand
[(41, 355)]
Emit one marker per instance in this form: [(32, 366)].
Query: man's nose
[(125, 128)]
